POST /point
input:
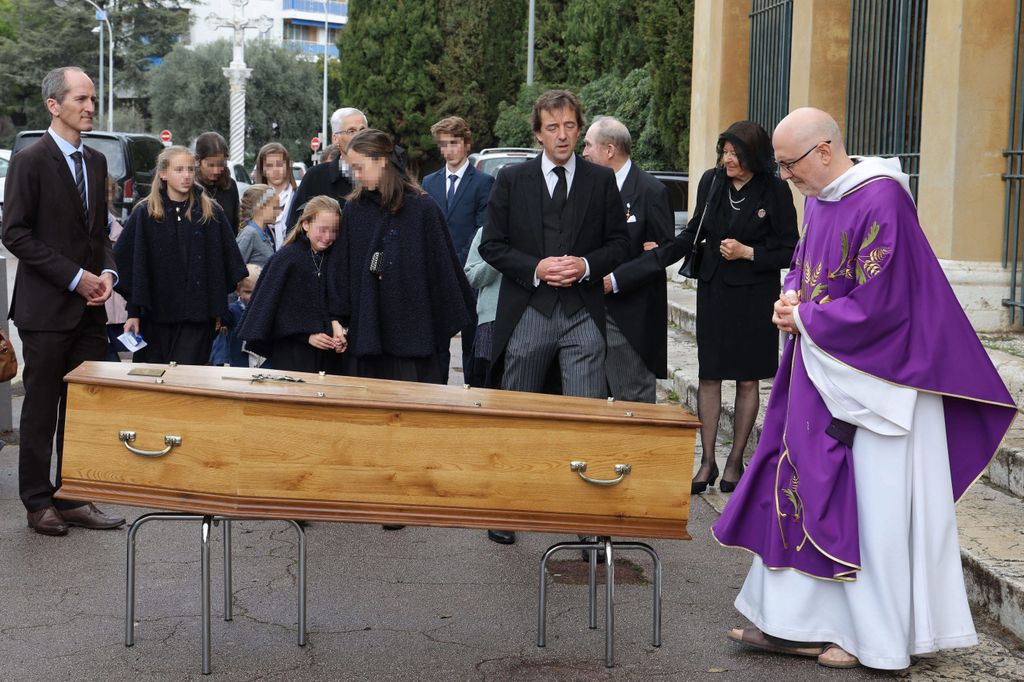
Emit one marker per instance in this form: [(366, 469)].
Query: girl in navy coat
[(177, 260)]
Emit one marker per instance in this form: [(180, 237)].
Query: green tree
[(666, 27), (629, 100), (513, 125), (549, 42), (144, 31), (189, 95), (483, 60), (389, 70), (601, 38)]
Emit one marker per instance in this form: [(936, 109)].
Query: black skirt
[(186, 343), (422, 370), (736, 339), (294, 354)]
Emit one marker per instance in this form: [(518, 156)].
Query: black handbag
[(691, 263)]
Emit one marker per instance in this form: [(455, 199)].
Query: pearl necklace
[(735, 203)]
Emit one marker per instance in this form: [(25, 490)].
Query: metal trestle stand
[(205, 529), (610, 548)]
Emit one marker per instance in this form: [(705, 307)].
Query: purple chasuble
[(873, 297)]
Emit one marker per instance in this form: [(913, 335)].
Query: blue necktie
[(453, 178)]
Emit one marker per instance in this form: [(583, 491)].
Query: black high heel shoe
[(729, 486), (697, 487)]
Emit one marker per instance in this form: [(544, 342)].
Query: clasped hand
[(95, 289), (561, 271), (782, 316), (734, 250), (337, 341)]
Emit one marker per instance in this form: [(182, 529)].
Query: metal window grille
[(883, 97), (771, 33), (1014, 153)]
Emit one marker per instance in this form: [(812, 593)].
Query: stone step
[(990, 516)]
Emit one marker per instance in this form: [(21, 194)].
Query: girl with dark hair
[(395, 281), (274, 168), (287, 320), (212, 174), (177, 260), (748, 236)]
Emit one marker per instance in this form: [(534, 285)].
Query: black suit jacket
[(323, 178), (640, 307), (469, 205), (513, 239), (49, 233)]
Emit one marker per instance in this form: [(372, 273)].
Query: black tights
[(709, 409)]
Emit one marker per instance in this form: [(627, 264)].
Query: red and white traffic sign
[(314, 144), (165, 136)]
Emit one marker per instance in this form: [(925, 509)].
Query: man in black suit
[(55, 223), (635, 294), (462, 192), (332, 178), (555, 228)]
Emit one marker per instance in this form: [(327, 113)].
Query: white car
[(5, 160)]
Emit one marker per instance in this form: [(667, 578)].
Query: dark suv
[(131, 160)]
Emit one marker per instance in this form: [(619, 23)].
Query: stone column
[(968, 71), (721, 74), (820, 56)]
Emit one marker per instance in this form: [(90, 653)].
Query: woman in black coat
[(287, 319), (177, 260), (395, 282), (748, 236)]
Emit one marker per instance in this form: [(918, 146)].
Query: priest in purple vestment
[(885, 410)]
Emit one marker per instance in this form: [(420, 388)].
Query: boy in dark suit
[(462, 192)]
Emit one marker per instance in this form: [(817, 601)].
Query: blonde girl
[(177, 260), (257, 213)]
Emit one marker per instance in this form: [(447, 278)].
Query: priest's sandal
[(756, 639), (835, 656), (697, 487)]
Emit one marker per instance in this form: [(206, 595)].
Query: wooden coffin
[(373, 451)]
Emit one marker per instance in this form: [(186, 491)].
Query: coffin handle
[(128, 437), (581, 468)]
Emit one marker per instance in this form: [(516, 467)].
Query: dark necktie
[(80, 179), (561, 189), (453, 178)]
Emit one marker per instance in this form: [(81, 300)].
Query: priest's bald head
[(809, 150)]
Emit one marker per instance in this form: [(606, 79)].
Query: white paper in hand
[(131, 342)]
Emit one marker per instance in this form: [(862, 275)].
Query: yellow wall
[(965, 118), (721, 74)]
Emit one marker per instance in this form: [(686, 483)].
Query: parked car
[(678, 185), (242, 178), (5, 159), (492, 160), (131, 160), (298, 170)]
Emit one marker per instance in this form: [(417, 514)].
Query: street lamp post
[(99, 30), (323, 132), (237, 72), (102, 16)]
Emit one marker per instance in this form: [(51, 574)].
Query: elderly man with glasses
[(884, 411), (331, 178)]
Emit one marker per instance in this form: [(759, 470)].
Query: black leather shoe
[(392, 527), (729, 486), (697, 487), (47, 521), (88, 516), (502, 537)]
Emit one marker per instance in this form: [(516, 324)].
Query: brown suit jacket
[(49, 233)]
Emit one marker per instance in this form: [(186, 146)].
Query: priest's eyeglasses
[(788, 165)]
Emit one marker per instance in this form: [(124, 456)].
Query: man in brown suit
[(55, 220)]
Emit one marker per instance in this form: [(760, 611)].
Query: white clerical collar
[(620, 175), (865, 168), (547, 165)]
